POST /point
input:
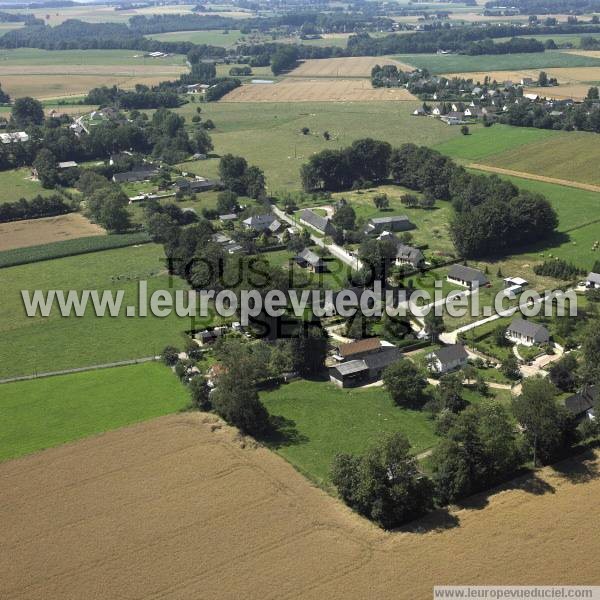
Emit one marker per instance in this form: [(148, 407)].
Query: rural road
[(120, 363), (566, 182)]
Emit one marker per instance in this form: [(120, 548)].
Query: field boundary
[(119, 363), (565, 182)]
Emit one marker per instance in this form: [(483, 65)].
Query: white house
[(515, 284), (592, 281), (447, 359), (527, 333)]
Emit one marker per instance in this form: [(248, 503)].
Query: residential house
[(141, 173), (276, 227), (259, 222), (408, 255), (527, 81), (437, 111), (527, 333), (467, 276), (194, 185), (321, 224), (419, 112), (227, 218), (392, 223), (582, 404), (358, 349), (593, 280), (474, 112), (307, 259), (446, 359)]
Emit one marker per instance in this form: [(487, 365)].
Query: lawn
[(16, 184), (461, 63), (324, 420), (42, 413), (487, 142), (269, 135), (38, 344)]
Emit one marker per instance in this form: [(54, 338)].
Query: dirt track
[(32, 232), (317, 90), (567, 182), (176, 508)]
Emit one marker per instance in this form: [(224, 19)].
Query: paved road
[(120, 363)]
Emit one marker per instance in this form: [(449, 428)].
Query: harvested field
[(61, 86), (576, 91), (356, 66), (591, 53), (181, 507), (70, 70), (317, 90), (33, 232)]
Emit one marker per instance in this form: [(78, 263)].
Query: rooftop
[(366, 345)]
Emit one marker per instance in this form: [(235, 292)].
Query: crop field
[(213, 37), (57, 73), (569, 155), (236, 520), (359, 66), (458, 63), (42, 413), (269, 134), (32, 232), (42, 344), (319, 90)]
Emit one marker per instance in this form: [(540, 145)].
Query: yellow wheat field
[(183, 508)]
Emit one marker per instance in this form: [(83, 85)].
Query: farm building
[(14, 137), (195, 185), (321, 224), (367, 369), (515, 284), (67, 164), (393, 223), (527, 333), (359, 348), (447, 359), (143, 173), (229, 217), (307, 259), (467, 276), (259, 222)]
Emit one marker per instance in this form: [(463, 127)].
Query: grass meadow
[(42, 344), (42, 413), (269, 135), (17, 183), (212, 37), (460, 63)]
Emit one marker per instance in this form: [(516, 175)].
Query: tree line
[(34, 208)]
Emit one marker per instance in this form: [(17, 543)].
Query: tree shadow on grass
[(580, 469), (283, 433)]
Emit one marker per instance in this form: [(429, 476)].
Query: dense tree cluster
[(284, 59), (221, 86), (240, 178), (492, 215), (141, 98), (543, 7), (385, 483), (35, 208), (558, 269)]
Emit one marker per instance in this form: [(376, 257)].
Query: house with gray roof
[(582, 404), (321, 224), (393, 223), (141, 173), (467, 276), (307, 259), (527, 333), (366, 369), (446, 359), (259, 222), (592, 281), (407, 255)]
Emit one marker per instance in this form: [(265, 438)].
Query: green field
[(560, 39), (38, 58), (39, 344), (328, 420), (269, 136), (42, 413), (459, 63), (212, 37), (486, 142), (571, 155), (17, 184)]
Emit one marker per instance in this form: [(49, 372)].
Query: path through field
[(566, 182), (183, 508)]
